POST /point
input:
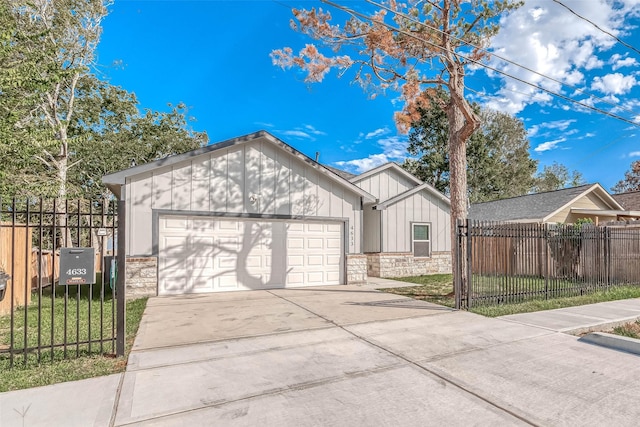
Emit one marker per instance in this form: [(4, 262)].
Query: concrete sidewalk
[(347, 355), (582, 319)]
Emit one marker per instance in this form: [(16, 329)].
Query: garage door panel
[(203, 262), (295, 243), (315, 277), (200, 254), (333, 260), (295, 261), (334, 243), (173, 246), (225, 262), (203, 224), (315, 243), (317, 260), (227, 281), (177, 223)]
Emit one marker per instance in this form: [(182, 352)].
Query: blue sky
[(214, 56)]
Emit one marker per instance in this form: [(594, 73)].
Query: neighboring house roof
[(538, 207), (344, 174), (115, 180), (423, 187), (629, 200), (379, 169)]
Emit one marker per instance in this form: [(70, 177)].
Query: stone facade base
[(403, 264), (141, 277), (356, 269)]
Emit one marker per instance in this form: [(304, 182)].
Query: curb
[(599, 326), (615, 342)]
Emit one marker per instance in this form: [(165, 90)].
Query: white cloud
[(634, 154), (394, 148), (304, 132), (298, 134), (549, 145), (617, 61), (313, 130), (615, 83), (376, 133), (264, 124), (558, 124), (547, 38)]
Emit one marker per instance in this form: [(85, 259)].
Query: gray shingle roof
[(533, 207), (343, 174), (630, 200)]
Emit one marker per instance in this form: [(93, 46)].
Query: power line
[(524, 67), (622, 42), (479, 63)]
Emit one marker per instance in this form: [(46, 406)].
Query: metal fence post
[(469, 283), (457, 285), (121, 280)]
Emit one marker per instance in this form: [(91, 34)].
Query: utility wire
[(479, 63), (575, 88), (622, 42)]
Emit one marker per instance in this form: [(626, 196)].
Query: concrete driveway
[(352, 356)]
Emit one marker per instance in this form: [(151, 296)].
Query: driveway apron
[(348, 355)]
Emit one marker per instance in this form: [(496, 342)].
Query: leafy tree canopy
[(631, 181), (499, 162), (555, 177)]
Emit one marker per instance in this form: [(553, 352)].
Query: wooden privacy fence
[(510, 262), (15, 240)]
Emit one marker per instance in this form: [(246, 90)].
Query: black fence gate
[(41, 317), (511, 262)]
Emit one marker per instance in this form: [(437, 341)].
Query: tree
[(67, 32), (409, 47), (631, 181), (555, 177), (62, 127), (499, 163)]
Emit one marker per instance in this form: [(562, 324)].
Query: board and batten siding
[(255, 178), (588, 201), (419, 207), (371, 229), (386, 184)]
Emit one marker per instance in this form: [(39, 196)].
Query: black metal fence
[(42, 319), (506, 263)]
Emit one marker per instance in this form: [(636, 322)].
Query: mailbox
[(77, 266), (4, 278)]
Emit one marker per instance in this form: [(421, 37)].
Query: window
[(421, 240)]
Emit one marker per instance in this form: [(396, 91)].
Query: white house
[(254, 213), (407, 230)]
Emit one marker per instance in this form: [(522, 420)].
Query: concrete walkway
[(346, 355)]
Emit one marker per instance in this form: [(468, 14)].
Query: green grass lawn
[(54, 366), (438, 289)]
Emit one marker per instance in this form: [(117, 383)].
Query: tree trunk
[(462, 123)]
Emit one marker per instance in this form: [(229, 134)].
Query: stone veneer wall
[(141, 277), (356, 269), (403, 264)]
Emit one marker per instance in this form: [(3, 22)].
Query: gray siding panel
[(386, 184), (229, 180), (420, 207)]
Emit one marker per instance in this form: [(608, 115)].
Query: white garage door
[(204, 254)]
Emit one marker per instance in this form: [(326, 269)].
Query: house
[(254, 213), (560, 206), (407, 230), (629, 200)]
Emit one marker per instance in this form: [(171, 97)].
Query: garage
[(200, 254), (247, 213)]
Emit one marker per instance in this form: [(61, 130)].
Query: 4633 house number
[(76, 271)]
